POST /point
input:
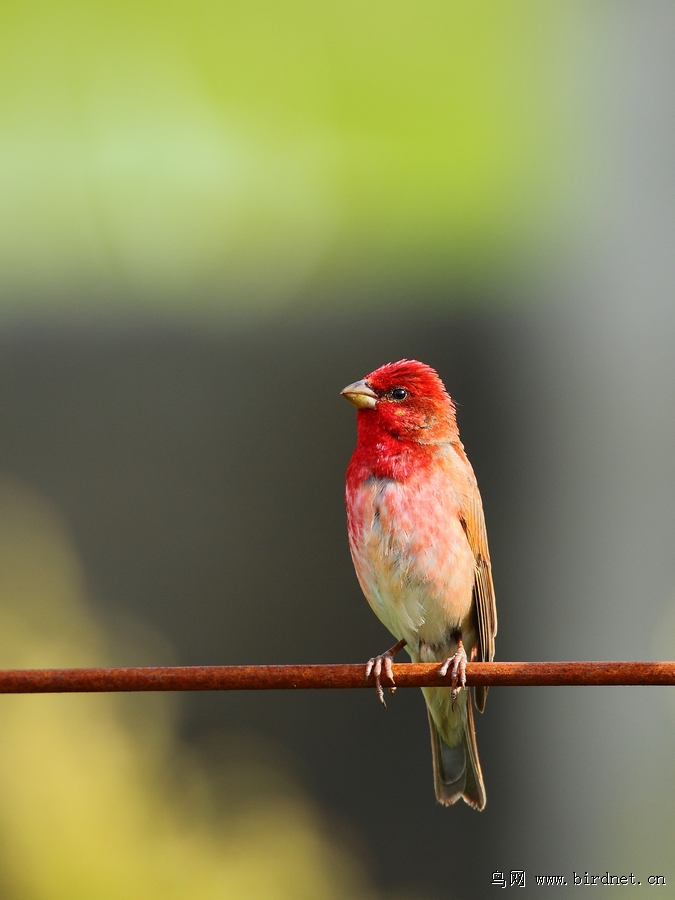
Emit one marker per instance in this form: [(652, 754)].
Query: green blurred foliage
[(159, 156)]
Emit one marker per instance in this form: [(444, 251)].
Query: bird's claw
[(457, 672), (375, 666)]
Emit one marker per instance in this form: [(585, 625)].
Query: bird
[(418, 541)]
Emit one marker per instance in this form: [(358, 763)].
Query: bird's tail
[(457, 771)]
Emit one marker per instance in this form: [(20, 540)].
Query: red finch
[(417, 537)]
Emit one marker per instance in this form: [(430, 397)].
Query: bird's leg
[(383, 661), (458, 671)]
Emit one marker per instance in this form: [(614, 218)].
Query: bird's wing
[(483, 588), (473, 522)]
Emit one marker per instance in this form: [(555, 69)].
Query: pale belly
[(414, 563)]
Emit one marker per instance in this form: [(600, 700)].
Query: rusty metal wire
[(238, 678)]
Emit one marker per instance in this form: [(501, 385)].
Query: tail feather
[(480, 696), (457, 772)]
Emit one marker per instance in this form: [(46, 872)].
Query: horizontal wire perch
[(247, 678)]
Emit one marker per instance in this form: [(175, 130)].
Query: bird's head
[(407, 400)]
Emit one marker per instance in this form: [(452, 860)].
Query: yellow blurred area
[(241, 151), (86, 805)]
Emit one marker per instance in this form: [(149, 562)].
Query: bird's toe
[(457, 666), (381, 667)]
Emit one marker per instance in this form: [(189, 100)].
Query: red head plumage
[(404, 399)]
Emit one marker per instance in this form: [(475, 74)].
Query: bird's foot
[(377, 664), (458, 670)]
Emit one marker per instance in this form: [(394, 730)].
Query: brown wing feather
[(473, 522)]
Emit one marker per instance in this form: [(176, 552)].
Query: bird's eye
[(399, 394)]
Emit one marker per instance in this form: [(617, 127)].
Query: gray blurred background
[(218, 215)]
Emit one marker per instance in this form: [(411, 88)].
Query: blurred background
[(214, 216)]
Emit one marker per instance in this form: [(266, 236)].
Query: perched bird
[(418, 541)]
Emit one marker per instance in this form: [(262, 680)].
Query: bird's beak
[(360, 395)]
